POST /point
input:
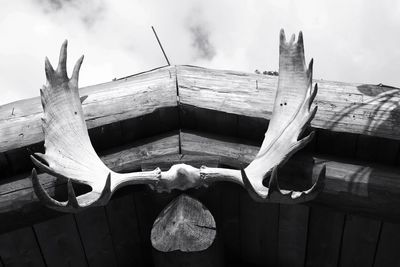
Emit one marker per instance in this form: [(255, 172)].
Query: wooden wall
[(252, 234), (249, 233)]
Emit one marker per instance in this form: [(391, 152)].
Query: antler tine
[(291, 115), (74, 204)]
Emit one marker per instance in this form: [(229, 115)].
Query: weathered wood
[(148, 205), (209, 257), (356, 187), (360, 235), (165, 162), (95, 235), (387, 253), (259, 224), (123, 221), (343, 107), (19, 248), (18, 193), (292, 234), (184, 224), (20, 123), (229, 225), (324, 237), (59, 239)]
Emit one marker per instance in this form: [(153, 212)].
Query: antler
[(70, 156), (291, 115), (69, 153)]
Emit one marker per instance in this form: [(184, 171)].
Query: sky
[(350, 41)]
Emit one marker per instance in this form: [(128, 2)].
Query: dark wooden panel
[(19, 248), (293, 227), (229, 225), (377, 149), (336, 144), (96, 239), (123, 223), (359, 243), (210, 257), (325, 231), (60, 242), (206, 120), (387, 253), (149, 204), (259, 231)]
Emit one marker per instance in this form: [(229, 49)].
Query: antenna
[(159, 43)]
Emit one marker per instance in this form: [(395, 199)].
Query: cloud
[(201, 42), (353, 41)]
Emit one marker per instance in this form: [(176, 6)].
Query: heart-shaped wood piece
[(185, 225)]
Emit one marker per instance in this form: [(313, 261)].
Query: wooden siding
[(250, 233)]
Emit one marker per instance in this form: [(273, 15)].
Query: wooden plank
[(210, 197), (343, 107), (19, 248), (209, 257), (325, 225), (258, 231), (123, 221), (149, 204), (387, 253), (60, 242), (95, 235), (357, 187), (293, 227), (18, 192), (324, 237), (349, 186), (377, 150), (360, 235), (20, 123), (229, 225)]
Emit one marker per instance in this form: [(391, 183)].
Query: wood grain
[(351, 186), (185, 224), (343, 107), (59, 239), (387, 253), (124, 229), (360, 239), (259, 223), (292, 234), (20, 123), (96, 238), (324, 237), (18, 192), (19, 248)]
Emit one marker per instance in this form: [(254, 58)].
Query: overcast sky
[(352, 41)]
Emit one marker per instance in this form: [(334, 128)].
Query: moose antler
[(69, 152), (70, 156), (291, 115)]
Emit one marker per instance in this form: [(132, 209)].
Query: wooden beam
[(354, 108), (17, 193), (343, 107), (350, 186), (134, 96), (356, 187)]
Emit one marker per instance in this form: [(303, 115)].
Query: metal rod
[(162, 49)]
